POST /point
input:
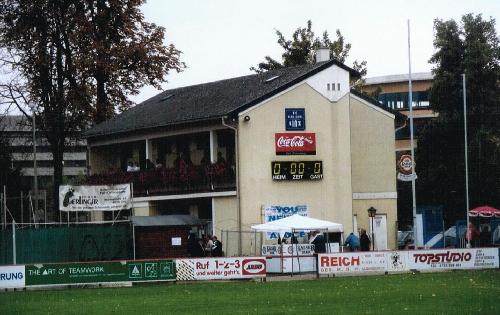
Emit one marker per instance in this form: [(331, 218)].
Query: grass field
[(463, 292)]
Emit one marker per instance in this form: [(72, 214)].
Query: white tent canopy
[(298, 223)]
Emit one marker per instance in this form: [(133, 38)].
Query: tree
[(300, 50), (77, 61), (471, 48)]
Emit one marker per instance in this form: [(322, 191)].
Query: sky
[(221, 39)]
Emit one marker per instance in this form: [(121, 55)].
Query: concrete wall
[(373, 164), (329, 198)]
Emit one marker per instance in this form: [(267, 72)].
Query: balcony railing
[(171, 181)]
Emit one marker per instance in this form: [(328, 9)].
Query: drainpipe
[(237, 160)]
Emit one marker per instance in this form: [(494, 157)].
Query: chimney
[(322, 54)]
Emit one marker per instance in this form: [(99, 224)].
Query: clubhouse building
[(241, 151)]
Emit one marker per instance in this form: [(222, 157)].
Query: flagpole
[(466, 160), (410, 106)]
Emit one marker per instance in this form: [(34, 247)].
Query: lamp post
[(371, 213)]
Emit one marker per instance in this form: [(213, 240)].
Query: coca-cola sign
[(296, 143)]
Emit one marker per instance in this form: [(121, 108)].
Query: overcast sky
[(224, 38)]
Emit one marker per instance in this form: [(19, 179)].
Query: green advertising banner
[(94, 272)]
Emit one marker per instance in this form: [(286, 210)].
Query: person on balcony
[(130, 167), (158, 164), (136, 168), (181, 167), (149, 165)]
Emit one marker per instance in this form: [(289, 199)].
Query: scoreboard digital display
[(297, 170)]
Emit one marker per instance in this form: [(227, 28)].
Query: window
[(328, 86), (338, 86)]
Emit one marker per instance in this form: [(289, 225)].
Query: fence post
[(14, 242)]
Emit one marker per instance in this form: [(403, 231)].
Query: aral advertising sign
[(273, 213), (295, 143), (352, 262), (95, 198), (467, 258), (12, 277), (114, 271), (220, 268)]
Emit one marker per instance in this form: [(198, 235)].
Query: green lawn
[(462, 292)]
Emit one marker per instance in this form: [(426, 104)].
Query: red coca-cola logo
[(295, 143), (254, 266)]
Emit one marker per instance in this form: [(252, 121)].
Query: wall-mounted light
[(246, 118)]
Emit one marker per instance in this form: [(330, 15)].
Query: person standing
[(319, 243), (364, 241), (352, 242), (216, 247), (472, 235)]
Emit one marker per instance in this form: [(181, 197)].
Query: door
[(380, 229)]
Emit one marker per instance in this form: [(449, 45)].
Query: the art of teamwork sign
[(273, 213)]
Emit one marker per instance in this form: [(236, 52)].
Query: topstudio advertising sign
[(95, 198)]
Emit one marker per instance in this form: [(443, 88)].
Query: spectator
[(319, 242), (136, 167), (472, 235), (216, 247), (130, 166), (352, 242), (149, 165), (158, 164), (485, 237), (364, 240)]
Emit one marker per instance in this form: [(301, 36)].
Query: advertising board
[(220, 268), (276, 212), (295, 119), (352, 262), (12, 277), (95, 198), (114, 271), (295, 143), (466, 258)]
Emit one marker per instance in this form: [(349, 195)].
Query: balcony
[(191, 179)]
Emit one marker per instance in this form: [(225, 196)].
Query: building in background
[(392, 92), (235, 152), (18, 132)]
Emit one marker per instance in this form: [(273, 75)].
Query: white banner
[(467, 258), (12, 277), (220, 268), (273, 213), (95, 198), (352, 262)]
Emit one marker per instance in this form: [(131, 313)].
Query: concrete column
[(148, 150), (214, 146)]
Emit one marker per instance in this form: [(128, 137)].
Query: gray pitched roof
[(207, 101)]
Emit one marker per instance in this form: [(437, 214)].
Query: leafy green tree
[(300, 50), (471, 47), (77, 61)]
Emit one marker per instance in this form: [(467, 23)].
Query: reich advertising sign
[(352, 262), (12, 277), (295, 143), (471, 258), (222, 268)]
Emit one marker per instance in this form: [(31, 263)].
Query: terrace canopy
[(484, 211)]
